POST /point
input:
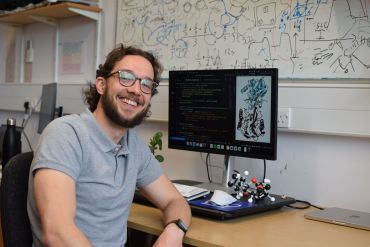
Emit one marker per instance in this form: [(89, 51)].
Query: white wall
[(327, 170)]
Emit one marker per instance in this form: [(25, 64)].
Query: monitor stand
[(226, 177)]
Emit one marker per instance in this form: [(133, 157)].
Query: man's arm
[(55, 198), (165, 196)]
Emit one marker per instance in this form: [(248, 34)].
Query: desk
[(281, 227)]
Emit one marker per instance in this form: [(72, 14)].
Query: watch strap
[(179, 223)]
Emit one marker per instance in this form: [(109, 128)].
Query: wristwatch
[(180, 224)]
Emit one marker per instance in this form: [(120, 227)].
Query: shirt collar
[(102, 139)]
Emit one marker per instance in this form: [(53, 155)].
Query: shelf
[(52, 12)]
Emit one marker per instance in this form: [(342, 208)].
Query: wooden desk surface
[(281, 227)]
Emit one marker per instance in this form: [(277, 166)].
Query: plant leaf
[(159, 158)]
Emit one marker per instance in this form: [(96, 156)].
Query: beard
[(111, 110)]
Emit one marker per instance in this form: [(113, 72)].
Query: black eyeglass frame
[(155, 84)]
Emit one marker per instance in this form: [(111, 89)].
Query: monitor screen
[(48, 105), (228, 111)]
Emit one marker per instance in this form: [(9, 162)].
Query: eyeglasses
[(127, 79)]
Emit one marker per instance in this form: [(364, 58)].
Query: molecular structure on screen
[(243, 187)]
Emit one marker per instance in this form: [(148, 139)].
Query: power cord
[(28, 140), (306, 205), (26, 118), (208, 157), (206, 162)]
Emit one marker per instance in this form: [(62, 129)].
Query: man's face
[(127, 106)]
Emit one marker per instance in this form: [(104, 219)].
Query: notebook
[(191, 192), (341, 216)]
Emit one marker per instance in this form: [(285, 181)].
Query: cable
[(206, 162), (28, 140), (27, 117), (307, 205), (24, 124), (207, 165)]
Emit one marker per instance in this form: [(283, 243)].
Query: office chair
[(15, 224)]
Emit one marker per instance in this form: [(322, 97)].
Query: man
[(86, 166)]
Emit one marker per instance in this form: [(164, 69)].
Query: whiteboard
[(305, 39)]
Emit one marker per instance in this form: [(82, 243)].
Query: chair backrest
[(15, 224)]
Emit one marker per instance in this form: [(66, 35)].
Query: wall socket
[(284, 117)]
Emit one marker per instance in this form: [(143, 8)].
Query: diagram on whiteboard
[(304, 39)]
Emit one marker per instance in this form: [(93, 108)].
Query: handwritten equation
[(304, 39)]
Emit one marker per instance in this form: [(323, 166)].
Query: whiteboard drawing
[(303, 38)]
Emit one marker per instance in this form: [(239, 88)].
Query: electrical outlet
[(284, 117)]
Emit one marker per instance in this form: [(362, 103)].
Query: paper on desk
[(222, 198)]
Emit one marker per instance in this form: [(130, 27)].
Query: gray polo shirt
[(105, 174)]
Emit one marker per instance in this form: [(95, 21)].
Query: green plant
[(156, 143)]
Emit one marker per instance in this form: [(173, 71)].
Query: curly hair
[(91, 94)]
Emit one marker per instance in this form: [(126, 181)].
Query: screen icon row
[(219, 146)]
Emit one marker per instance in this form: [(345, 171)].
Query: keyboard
[(191, 192)]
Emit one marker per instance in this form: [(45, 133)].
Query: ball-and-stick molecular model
[(243, 187)]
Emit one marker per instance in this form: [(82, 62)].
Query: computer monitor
[(227, 111), (48, 105)]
